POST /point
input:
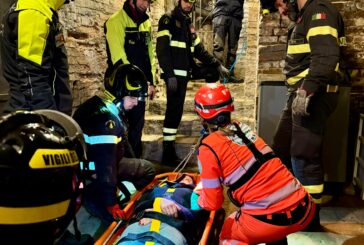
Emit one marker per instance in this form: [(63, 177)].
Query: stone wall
[(83, 28)]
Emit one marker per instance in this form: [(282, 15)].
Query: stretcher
[(209, 235)]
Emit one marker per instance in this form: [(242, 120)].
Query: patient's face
[(187, 180)]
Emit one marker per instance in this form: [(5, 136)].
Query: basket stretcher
[(209, 234)]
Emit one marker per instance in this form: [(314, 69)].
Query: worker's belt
[(332, 88), (299, 214)]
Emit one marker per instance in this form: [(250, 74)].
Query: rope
[(243, 48)]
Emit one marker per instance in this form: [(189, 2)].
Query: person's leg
[(136, 124), (220, 32), (306, 148), (283, 134), (172, 119), (233, 39), (140, 172)]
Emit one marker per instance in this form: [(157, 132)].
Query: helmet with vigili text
[(40, 176)]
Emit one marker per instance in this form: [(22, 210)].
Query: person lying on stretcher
[(166, 214)]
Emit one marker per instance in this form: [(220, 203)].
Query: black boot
[(280, 242), (169, 154), (314, 225)]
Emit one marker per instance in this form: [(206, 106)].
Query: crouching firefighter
[(271, 202), (102, 119)]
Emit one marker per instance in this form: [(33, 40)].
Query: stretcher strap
[(156, 224)]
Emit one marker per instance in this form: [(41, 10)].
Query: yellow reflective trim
[(177, 44), (342, 41), (33, 30), (155, 225), (164, 33), (129, 86), (170, 130), (317, 200), (149, 243), (197, 41), (192, 49), (51, 158), (169, 138), (31, 215), (182, 73), (295, 79), (314, 189), (337, 67), (298, 49), (170, 190), (322, 30)]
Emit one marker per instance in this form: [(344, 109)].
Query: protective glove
[(116, 212), (301, 102), (223, 71), (172, 84)]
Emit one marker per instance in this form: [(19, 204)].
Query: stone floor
[(342, 219)]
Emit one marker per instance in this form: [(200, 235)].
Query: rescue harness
[(260, 160)]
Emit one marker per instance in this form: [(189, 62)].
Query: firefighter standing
[(129, 41), (177, 46), (227, 19), (34, 57), (271, 202), (102, 119), (312, 80)]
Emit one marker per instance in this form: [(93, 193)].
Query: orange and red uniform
[(270, 194)]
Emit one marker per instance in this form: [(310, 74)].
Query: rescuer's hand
[(301, 102), (223, 71), (151, 92), (172, 84), (116, 212)]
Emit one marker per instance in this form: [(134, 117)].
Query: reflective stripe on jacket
[(130, 42), (313, 51), (34, 57), (271, 189), (178, 44)]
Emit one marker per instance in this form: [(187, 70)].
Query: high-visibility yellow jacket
[(129, 41), (34, 57)]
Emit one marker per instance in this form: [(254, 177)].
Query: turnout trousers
[(298, 140)]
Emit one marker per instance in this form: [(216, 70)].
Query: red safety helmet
[(213, 99)]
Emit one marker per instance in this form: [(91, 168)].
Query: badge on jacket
[(110, 124)]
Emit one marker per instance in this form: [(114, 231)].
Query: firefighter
[(102, 119), (40, 176), (312, 80), (129, 41), (227, 19), (271, 202), (177, 46), (34, 57)]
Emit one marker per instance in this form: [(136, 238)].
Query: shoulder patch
[(319, 16)]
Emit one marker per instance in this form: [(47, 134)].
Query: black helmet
[(40, 175), (127, 80)]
